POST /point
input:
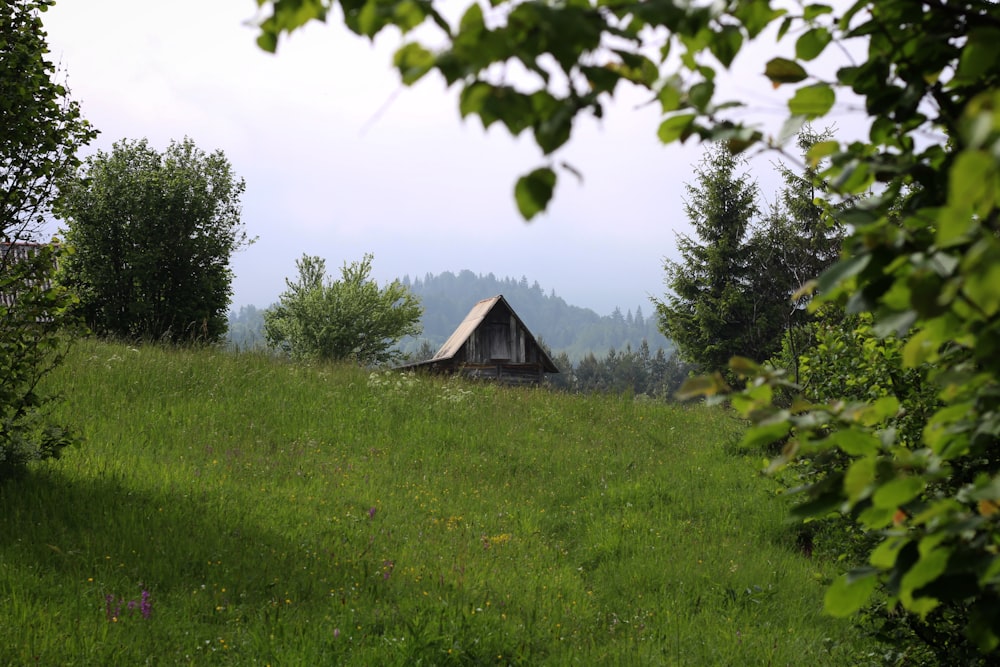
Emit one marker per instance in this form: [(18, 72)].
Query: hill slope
[(235, 509)]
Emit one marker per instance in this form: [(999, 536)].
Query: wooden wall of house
[(498, 338), (514, 374)]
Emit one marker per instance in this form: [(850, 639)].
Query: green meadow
[(236, 509)]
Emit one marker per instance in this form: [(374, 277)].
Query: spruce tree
[(709, 313)]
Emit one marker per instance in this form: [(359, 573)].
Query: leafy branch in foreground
[(923, 256), (43, 129)]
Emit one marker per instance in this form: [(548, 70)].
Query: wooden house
[(492, 343)]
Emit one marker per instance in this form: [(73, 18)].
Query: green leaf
[(811, 43), (898, 324), (855, 177), (884, 555), (534, 191), (782, 70), (413, 61), (849, 592), (756, 15), (919, 348), (786, 23), (859, 476), (268, 41), (370, 20), (675, 127), (898, 492), (812, 101), (765, 434), (954, 225), (876, 518), (744, 366), (472, 20), (605, 79), (930, 566), (670, 97), (702, 385), (726, 44), (880, 410), (841, 271), (555, 129), (982, 286), (979, 56), (811, 12), (854, 442), (700, 94), (820, 150), (407, 15), (972, 182), (473, 99), (637, 68)]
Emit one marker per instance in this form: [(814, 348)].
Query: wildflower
[(371, 512), (113, 606)]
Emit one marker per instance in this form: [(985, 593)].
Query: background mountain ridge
[(447, 298)]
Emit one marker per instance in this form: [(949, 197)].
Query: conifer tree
[(708, 313)]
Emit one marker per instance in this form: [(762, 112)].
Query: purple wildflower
[(113, 606), (371, 512), (146, 606)]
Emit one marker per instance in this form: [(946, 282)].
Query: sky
[(341, 160)]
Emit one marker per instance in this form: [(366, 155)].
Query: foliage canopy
[(922, 258), (153, 235), (42, 131), (351, 318)]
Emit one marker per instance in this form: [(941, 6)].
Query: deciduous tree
[(153, 235), (351, 318), (42, 129)]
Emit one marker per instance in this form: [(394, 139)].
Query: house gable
[(492, 342)]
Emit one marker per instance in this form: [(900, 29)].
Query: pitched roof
[(472, 321)]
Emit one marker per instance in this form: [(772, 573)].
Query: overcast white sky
[(340, 160)]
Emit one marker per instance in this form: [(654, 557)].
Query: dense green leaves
[(41, 130), (915, 363), (153, 235), (42, 126), (347, 319)]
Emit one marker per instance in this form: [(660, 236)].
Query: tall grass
[(293, 515)]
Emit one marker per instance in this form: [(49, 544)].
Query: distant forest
[(447, 298)]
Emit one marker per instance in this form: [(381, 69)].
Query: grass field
[(233, 509)]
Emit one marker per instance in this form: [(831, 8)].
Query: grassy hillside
[(237, 510)]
